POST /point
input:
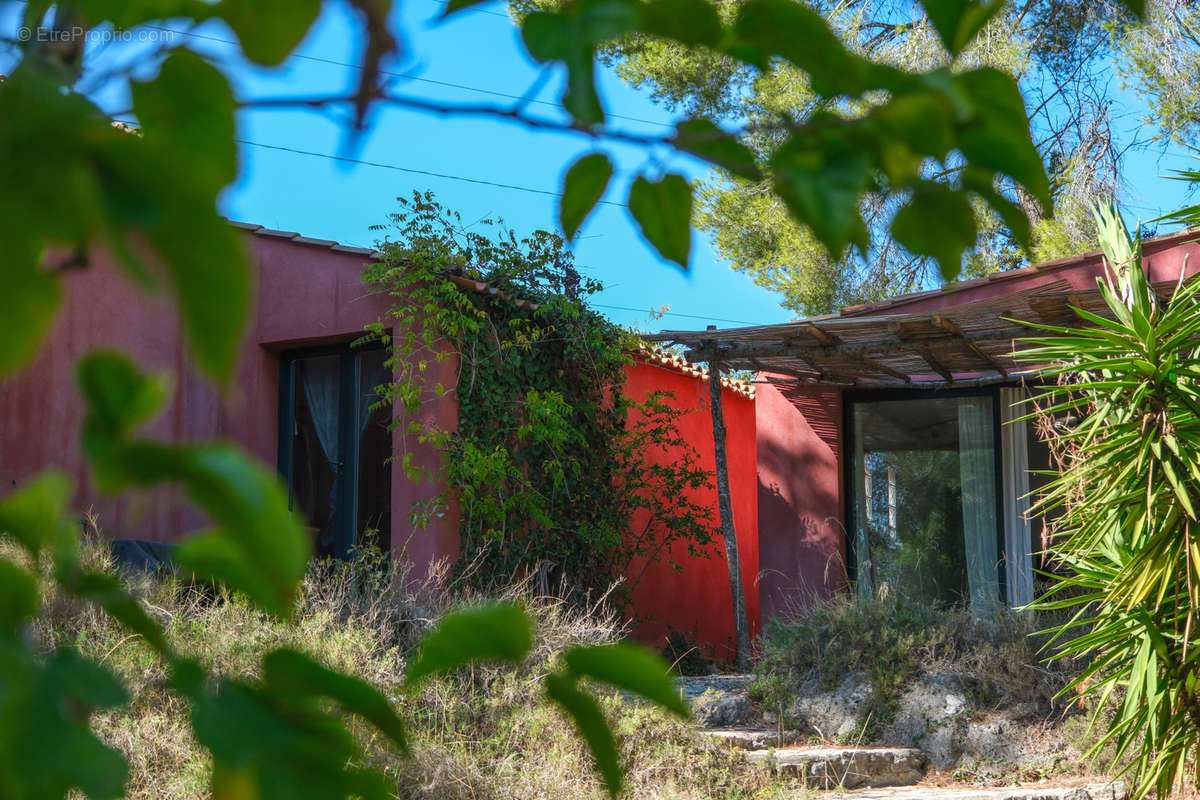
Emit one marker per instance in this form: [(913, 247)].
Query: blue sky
[(481, 48), (478, 48)]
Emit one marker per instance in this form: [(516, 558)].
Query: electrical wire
[(405, 75), (415, 171), (676, 314)]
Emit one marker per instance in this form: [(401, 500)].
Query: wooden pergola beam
[(922, 348), (937, 366), (884, 368), (821, 335), (952, 327), (802, 350)]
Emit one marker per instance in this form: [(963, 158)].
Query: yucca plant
[(1125, 393)]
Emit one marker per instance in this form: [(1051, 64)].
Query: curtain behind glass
[(319, 380), (862, 518), (1018, 539), (977, 464)]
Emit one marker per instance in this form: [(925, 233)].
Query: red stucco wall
[(696, 601), (307, 294), (801, 543)]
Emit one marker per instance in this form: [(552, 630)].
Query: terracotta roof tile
[(666, 358)]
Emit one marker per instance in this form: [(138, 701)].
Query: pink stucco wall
[(306, 294), (1163, 256), (801, 542)]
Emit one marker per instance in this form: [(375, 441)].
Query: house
[(891, 454), (879, 448), (301, 402)]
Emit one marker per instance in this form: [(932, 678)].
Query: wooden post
[(725, 506)]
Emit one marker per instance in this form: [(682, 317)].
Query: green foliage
[(589, 721), (1125, 550), (934, 201), (260, 546), (553, 468), (663, 210), (629, 668), (703, 138), (1189, 216), (500, 632), (273, 737), (873, 128), (957, 23), (1154, 57), (626, 667), (485, 732), (583, 187), (255, 731), (45, 706), (107, 186)]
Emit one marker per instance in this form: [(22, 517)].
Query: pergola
[(960, 345), (965, 344)]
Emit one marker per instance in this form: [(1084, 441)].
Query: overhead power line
[(495, 184), (405, 75), (676, 314), (414, 170)]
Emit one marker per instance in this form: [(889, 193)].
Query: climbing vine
[(552, 466)]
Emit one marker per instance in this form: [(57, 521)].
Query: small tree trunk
[(725, 506)]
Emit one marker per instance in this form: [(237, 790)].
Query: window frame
[(349, 377), (852, 396)]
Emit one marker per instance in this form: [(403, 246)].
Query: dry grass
[(483, 733)]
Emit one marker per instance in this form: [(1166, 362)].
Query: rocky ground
[(937, 743)]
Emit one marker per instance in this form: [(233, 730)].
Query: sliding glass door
[(924, 489), (334, 447)]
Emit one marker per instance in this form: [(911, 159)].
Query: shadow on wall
[(806, 561), (801, 541), (820, 410)]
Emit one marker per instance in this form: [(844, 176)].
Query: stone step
[(1039, 791), (846, 767), (692, 686), (749, 738)]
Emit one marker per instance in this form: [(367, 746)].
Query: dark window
[(335, 446), (923, 488)]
